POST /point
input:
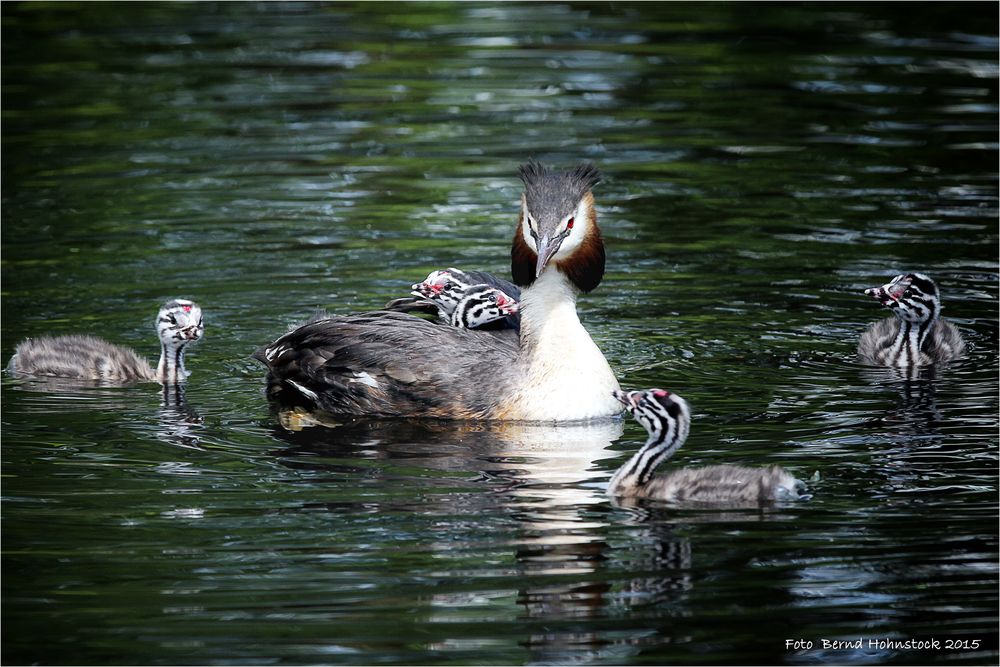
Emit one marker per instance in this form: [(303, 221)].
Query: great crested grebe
[(391, 364), (916, 336), (441, 291), (667, 420), (178, 324)]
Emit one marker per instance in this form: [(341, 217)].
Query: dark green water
[(764, 164)]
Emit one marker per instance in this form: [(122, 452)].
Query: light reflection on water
[(764, 164)]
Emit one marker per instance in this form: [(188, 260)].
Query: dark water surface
[(764, 164)]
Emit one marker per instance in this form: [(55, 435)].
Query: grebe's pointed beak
[(193, 332), (627, 398), (506, 304), (889, 293), (880, 294), (546, 249)]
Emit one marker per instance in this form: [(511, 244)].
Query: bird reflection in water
[(545, 477), (566, 569), (910, 447), (916, 410), (179, 424), (538, 460)]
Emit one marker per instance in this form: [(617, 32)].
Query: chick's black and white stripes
[(917, 335)]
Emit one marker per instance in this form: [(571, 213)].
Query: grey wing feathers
[(944, 342), (318, 315), (391, 365), (413, 304), (727, 484), (81, 357), (876, 340)]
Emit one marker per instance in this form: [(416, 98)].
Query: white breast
[(564, 374)]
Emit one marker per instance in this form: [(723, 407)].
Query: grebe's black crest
[(551, 194)]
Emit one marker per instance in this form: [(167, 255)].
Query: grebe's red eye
[(569, 224)]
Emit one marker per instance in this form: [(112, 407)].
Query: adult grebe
[(391, 364)]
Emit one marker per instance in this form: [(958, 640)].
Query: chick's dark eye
[(172, 318)]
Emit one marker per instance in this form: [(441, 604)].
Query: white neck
[(562, 373), (171, 370)]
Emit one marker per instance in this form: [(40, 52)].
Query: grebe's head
[(664, 415), (558, 226), (179, 322), (481, 305), (445, 288), (913, 297)]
